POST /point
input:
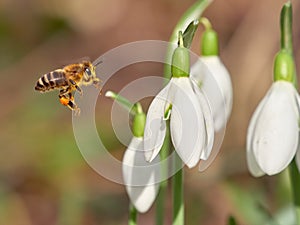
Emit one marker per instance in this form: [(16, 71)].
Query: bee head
[(89, 71)]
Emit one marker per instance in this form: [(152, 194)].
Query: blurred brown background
[(43, 178)]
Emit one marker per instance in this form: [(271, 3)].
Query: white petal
[(253, 167), (275, 135), (155, 127), (140, 177), (222, 76), (216, 84), (218, 139), (208, 119), (186, 123)]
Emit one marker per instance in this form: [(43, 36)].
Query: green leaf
[(231, 221), (248, 206)]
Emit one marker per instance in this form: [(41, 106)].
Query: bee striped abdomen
[(52, 80)]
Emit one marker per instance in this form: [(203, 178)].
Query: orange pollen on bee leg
[(64, 101)]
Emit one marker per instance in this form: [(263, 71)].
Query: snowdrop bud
[(284, 66)]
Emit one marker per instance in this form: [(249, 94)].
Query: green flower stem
[(286, 28), (193, 13), (206, 23), (286, 20), (138, 125), (160, 202), (295, 183), (132, 215), (178, 200)]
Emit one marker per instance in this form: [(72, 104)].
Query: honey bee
[(68, 80)]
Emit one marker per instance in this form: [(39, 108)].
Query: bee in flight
[(67, 80)]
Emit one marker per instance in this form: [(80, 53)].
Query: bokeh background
[(43, 178)]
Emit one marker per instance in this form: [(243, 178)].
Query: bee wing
[(74, 69)]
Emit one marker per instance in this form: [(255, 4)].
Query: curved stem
[(286, 20), (122, 101), (286, 28), (206, 23), (193, 13)]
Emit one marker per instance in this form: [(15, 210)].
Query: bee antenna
[(98, 63)]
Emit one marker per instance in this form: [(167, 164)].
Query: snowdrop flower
[(213, 77), (273, 133), (220, 100), (191, 121), (140, 177)]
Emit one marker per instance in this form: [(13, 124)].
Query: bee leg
[(76, 86), (68, 100), (96, 84), (72, 105)]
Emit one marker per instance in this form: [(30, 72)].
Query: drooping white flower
[(273, 133), (140, 177), (191, 122), (212, 76)]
